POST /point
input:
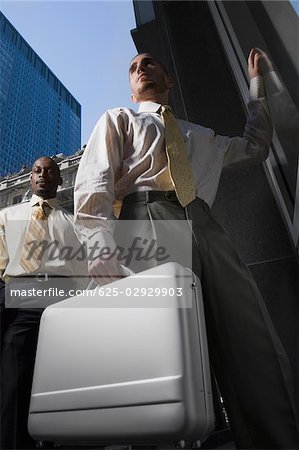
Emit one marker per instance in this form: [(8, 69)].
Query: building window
[(272, 26)]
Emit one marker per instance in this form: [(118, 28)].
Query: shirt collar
[(150, 107), (52, 202)]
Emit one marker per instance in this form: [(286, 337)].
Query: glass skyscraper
[(38, 115)]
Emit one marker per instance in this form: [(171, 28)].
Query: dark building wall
[(185, 38)]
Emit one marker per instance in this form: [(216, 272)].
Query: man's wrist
[(256, 88)]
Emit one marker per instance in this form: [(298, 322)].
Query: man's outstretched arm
[(253, 146)]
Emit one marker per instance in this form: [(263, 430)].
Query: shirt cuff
[(256, 89), (273, 83)]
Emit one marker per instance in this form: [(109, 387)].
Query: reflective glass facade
[(38, 115)]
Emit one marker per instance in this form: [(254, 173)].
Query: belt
[(150, 196)]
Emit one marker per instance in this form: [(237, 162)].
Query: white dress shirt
[(62, 257), (126, 153)]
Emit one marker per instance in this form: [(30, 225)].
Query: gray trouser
[(251, 366)]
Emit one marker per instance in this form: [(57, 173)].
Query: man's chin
[(146, 85), (42, 192), (146, 91)]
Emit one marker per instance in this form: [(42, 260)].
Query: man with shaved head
[(31, 264), (166, 171)]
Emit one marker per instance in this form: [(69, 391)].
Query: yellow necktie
[(32, 251), (179, 166)]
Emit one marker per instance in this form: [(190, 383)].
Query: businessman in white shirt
[(58, 270), (126, 161)]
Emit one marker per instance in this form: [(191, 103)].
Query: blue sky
[(87, 44)]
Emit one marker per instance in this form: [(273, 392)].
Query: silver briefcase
[(125, 363)]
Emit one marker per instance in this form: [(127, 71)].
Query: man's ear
[(134, 99), (60, 182)]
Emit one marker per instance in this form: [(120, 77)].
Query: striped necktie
[(32, 250), (179, 166)]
